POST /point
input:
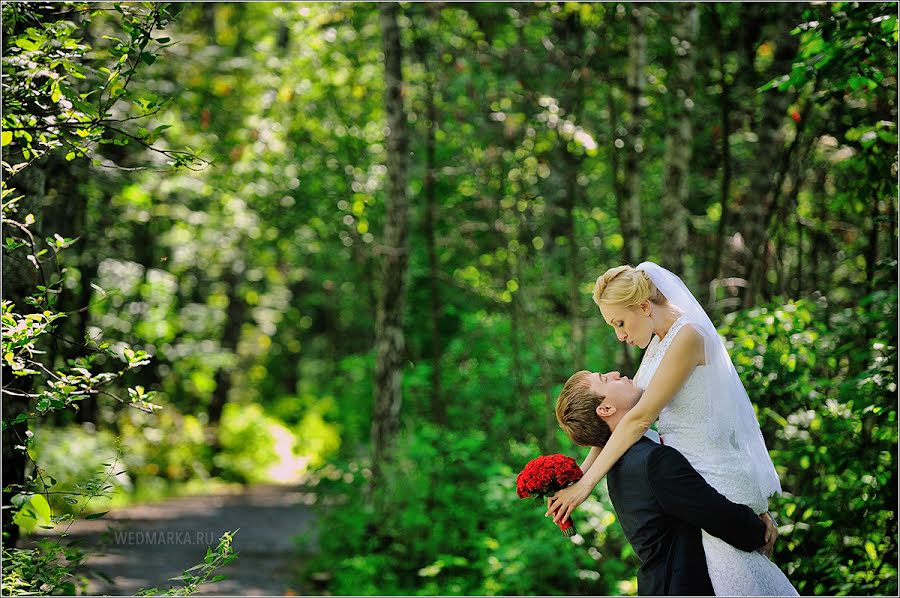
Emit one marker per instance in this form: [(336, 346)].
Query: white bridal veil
[(732, 414)]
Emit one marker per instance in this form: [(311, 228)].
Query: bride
[(691, 385)]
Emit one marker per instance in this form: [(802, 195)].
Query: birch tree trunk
[(676, 169), (389, 339)]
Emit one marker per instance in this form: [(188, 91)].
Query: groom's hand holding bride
[(563, 503), (771, 535)]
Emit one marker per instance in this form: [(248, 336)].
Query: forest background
[(246, 242)]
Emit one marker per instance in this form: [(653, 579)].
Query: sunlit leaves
[(39, 59)]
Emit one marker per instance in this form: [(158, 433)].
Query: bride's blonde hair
[(626, 285)]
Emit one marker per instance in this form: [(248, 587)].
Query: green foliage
[(60, 92), (79, 468), (201, 573), (51, 568), (255, 282), (64, 387), (150, 457), (247, 443), (825, 384), (455, 526), (46, 110)]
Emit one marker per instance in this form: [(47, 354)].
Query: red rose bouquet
[(542, 477)]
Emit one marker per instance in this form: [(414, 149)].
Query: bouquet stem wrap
[(546, 475)]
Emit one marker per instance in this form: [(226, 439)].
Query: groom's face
[(618, 390)]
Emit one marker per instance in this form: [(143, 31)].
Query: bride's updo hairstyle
[(626, 285)]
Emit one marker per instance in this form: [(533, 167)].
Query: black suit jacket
[(662, 504)]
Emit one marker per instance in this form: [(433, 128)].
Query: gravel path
[(145, 545)]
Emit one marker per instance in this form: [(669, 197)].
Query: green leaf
[(96, 515), (7, 137), (856, 83), (26, 44), (19, 500), (42, 508)]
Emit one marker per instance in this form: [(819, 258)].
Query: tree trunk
[(676, 169), (389, 339), (872, 249), (19, 280), (616, 182), (572, 33), (892, 232), (764, 182), (725, 125), (439, 409), (819, 226), (637, 50), (89, 409), (512, 273), (234, 320)]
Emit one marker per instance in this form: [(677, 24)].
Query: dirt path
[(148, 544)]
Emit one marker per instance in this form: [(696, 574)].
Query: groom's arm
[(683, 493)]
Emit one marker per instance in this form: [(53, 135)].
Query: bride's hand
[(561, 504)]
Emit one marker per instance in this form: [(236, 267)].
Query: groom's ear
[(604, 410)]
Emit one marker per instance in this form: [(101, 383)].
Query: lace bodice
[(685, 424)]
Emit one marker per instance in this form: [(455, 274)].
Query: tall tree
[(712, 269), (771, 164), (231, 336), (424, 52), (637, 57), (429, 190), (19, 279), (389, 338), (573, 32), (676, 169)]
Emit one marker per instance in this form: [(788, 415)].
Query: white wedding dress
[(710, 446)]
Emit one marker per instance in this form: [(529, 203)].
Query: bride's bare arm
[(590, 458), (685, 353)]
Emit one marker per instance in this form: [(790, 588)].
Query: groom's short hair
[(576, 411)]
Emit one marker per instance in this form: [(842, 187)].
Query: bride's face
[(633, 325)]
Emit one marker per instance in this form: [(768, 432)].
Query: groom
[(662, 502)]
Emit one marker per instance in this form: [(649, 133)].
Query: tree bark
[(819, 226), (764, 184), (389, 338), (872, 248), (676, 169), (725, 125), (19, 280), (234, 320), (637, 50), (572, 33), (439, 409)]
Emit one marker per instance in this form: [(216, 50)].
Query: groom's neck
[(613, 422)]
